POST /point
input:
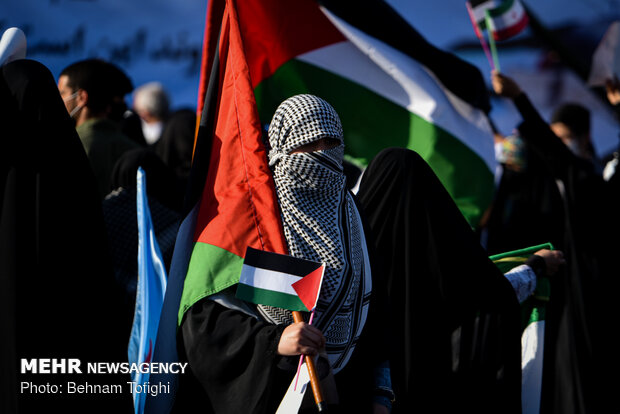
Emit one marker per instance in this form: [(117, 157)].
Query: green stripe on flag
[(270, 297), (503, 8), (372, 123), (537, 315), (211, 270)]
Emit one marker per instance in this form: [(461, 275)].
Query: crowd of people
[(413, 315)]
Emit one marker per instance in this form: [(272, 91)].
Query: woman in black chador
[(454, 320)]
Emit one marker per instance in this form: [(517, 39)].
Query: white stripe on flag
[(509, 18), (268, 279), (402, 80), (480, 8), (532, 348)]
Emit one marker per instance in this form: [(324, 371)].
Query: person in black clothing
[(581, 311), (442, 288), (58, 298), (571, 123), (176, 145), (527, 206), (243, 355)]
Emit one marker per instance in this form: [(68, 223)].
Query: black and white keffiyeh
[(320, 220)]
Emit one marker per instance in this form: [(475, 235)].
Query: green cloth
[(104, 144), (506, 261), (534, 308)]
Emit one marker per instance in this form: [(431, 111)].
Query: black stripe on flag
[(379, 20), (279, 262)]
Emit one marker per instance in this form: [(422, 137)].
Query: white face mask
[(499, 152), (77, 108), (573, 146), (152, 131), (72, 96)]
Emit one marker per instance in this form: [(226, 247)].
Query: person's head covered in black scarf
[(454, 317), (58, 293)]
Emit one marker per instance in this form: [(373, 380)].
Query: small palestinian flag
[(279, 280), (508, 17)]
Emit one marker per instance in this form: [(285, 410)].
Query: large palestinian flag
[(231, 202), (258, 53), (237, 204), (387, 83)]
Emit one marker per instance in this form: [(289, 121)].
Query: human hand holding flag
[(533, 312), (285, 282)]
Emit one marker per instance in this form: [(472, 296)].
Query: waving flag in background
[(257, 53), (508, 17), (150, 292), (389, 86), (231, 201)]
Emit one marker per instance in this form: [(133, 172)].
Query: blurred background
[(157, 40)]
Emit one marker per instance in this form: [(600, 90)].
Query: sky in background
[(151, 40), (161, 40), (445, 23)]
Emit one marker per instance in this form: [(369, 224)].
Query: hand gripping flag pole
[(308, 290), (503, 19), (285, 282), (314, 378)]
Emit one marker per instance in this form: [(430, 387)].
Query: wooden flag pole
[(314, 378)]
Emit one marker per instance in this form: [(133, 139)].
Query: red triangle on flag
[(309, 286)]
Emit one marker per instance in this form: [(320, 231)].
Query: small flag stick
[(487, 17), (314, 378), (479, 34), (301, 357)]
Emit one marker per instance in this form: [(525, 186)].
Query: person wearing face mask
[(577, 342), (244, 356), (527, 206), (152, 104), (89, 89)]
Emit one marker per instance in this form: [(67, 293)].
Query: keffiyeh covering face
[(320, 220)]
